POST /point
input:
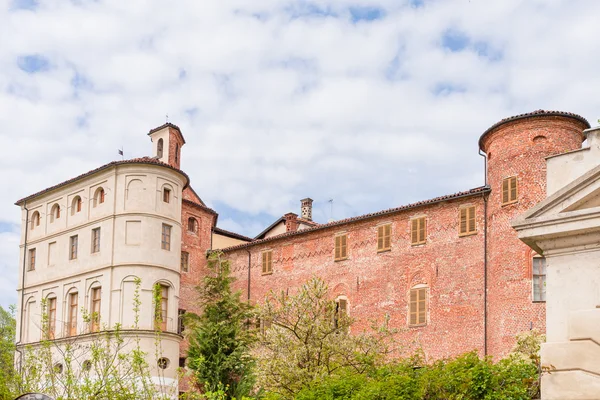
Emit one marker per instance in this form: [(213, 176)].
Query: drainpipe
[(248, 251), (485, 258), (23, 289)]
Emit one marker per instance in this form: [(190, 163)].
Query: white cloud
[(277, 104)]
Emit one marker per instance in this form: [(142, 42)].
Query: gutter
[(23, 289)]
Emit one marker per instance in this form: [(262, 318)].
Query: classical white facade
[(85, 243), (565, 229)]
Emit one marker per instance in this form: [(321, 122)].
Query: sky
[(373, 103)]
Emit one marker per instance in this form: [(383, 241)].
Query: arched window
[(166, 195), (159, 148), (341, 312), (51, 304), (418, 305), (99, 196), (192, 225), (55, 212), (161, 306), (76, 205), (35, 219), (72, 313), (176, 153), (95, 299)]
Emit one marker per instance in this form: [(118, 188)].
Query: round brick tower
[(516, 149)]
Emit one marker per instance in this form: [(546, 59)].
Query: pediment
[(580, 197)]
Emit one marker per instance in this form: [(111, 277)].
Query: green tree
[(220, 337), (106, 365), (7, 352), (309, 340)]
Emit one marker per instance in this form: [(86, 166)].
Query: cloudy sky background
[(372, 103)]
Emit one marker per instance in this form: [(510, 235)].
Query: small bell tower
[(167, 142)]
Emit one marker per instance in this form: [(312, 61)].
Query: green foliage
[(464, 377), (220, 337), (307, 341), (107, 365), (7, 350)]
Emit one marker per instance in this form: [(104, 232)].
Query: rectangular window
[(166, 195), (418, 231), (185, 259), (73, 248), (509, 190), (418, 306), (95, 315), (267, 262), (51, 317), (72, 315), (265, 325), (539, 279), (180, 323), (467, 221), (166, 237), (95, 240), (31, 266), (384, 237), (341, 247), (160, 316)]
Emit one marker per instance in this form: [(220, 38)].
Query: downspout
[(23, 288), (485, 258), (249, 264)]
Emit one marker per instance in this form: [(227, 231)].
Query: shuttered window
[(95, 240), (73, 247), (418, 231), (418, 306), (467, 221), (267, 262), (341, 247), (384, 237), (95, 309), (509, 190), (72, 315), (51, 317), (160, 312), (31, 260)]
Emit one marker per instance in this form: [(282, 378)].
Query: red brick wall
[(196, 244), (512, 151), (175, 144), (378, 283)]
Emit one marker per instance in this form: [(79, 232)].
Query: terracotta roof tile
[(536, 113), (200, 206), (141, 160), (165, 125), (308, 222), (472, 192)]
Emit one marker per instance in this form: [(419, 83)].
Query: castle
[(449, 271)]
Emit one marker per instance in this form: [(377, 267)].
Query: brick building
[(449, 271)]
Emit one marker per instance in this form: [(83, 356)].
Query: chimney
[(306, 208), (291, 222)]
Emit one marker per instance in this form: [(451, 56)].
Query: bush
[(464, 377)]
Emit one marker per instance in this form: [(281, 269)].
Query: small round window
[(87, 365), (163, 363), (58, 368)]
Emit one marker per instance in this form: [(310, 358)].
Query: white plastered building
[(565, 229), (85, 243)]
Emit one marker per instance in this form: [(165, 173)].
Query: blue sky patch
[(485, 50), (417, 3), (446, 89), (33, 63), (24, 5), (307, 9), (366, 13), (6, 227), (454, 40)]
